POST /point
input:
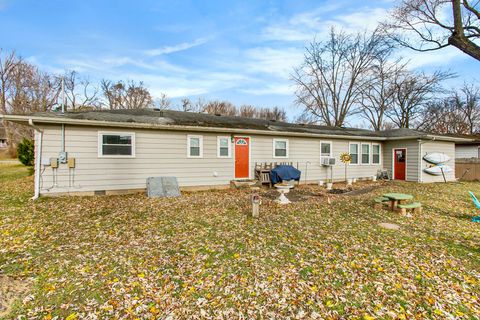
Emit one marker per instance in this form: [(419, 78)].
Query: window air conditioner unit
[(328, 161)]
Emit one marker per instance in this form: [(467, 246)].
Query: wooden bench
[(262, 170), (380, 202), (416, 207)]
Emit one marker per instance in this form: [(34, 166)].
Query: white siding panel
[(164, 153), (412, 157), (442, 147), (463, 152)]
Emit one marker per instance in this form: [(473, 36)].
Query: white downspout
[(38, 159)]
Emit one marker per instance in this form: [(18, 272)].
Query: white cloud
[(317, 23), (277, 62), (271, 89), (175, 48), (439, 58)]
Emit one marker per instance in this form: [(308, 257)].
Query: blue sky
[(242, 51)]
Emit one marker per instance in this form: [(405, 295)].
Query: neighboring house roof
[(192, 121)]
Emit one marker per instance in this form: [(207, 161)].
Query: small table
[(396, 198)]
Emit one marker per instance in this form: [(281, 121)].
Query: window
[(376, 153), (280, 148), (223, 146), (195, 146), (116, 145), (325, 149), (354, 153), (365, 153)]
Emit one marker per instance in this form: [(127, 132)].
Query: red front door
[(242, 157), (399, 163)]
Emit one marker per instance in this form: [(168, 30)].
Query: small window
[(365, 153), (280, 148), (376, 153), (354, 153), (223, 145), (195, 146), (325, 149), (113, 145)]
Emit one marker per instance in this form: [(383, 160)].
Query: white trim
[(200, 142), (369, 153), (229, 146), (379, 153), (358, 153), (114, 133), (406, 163), (249, 157), (286, 146), (331, 149)]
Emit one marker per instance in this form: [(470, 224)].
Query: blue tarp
[(284, 173)]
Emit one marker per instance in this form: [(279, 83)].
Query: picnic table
[(397, 198)]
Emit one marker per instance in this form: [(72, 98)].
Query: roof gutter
[(96, 123)]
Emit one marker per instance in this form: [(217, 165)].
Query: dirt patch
[(10, 290)]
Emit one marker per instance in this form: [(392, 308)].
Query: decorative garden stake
[(346, 158), (255, 203)]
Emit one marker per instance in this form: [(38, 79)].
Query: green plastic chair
[(477, 204)]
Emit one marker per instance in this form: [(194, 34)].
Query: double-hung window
[(365, 153), (375, 153), (116, 145), (354, 152), (194, 146), (280, 148), (325, 150), (223, 147)]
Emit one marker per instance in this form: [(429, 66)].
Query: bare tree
[(129, 95), (8, 63), (163, 102), (470, 106), (331, 78), (426, 25), (247, 111), (379, 91), (224, 108), (444, 116), (413, 92), (79, 92), (274, 113)]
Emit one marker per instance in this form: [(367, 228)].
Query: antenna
[(63, 94)]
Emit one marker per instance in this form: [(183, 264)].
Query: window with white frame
[(354, 152), (116, 144), (223, 147), (325, 149), (376, 153), (195, 146), (280, 148), (365, 153)]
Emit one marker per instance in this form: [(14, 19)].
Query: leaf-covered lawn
[(201, 256)]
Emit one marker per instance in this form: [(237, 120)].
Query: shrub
[(25, 152)]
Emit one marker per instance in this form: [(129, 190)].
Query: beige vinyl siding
[(157, 153), (462, 152), (303, 150), (447, 148), (164, 153), (412, 157)]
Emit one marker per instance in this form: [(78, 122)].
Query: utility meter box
[(62, 157), (54, 163)]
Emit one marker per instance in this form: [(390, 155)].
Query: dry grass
[(201, 256)]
